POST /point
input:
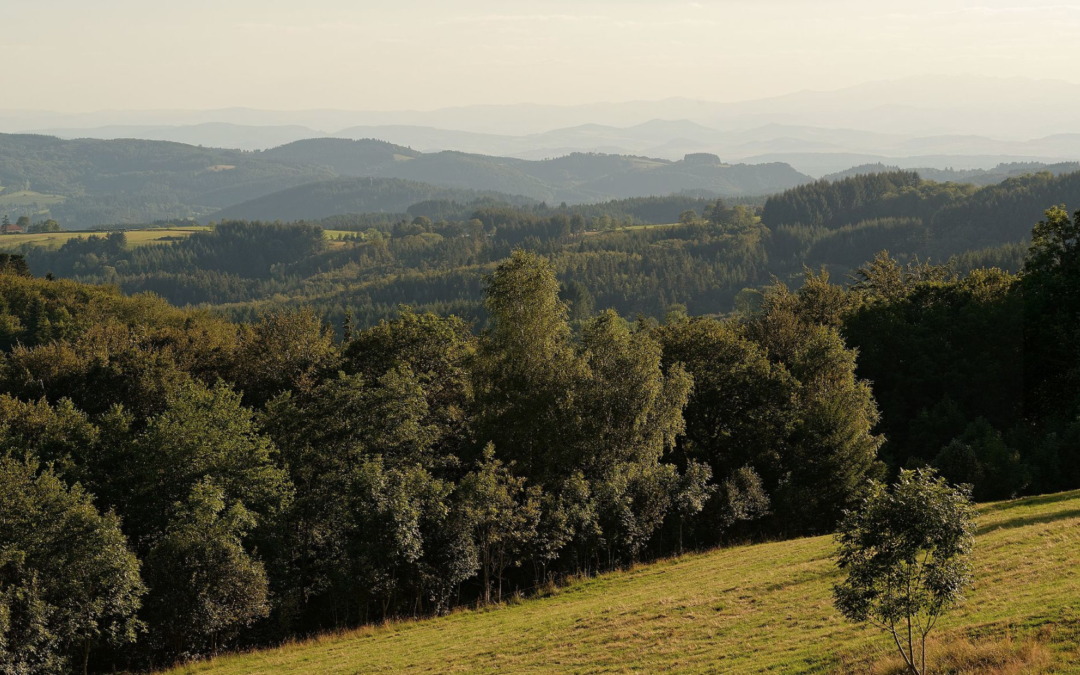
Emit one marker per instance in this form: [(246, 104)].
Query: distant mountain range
[(812, 150), (575, 178), (941, 122), (915, 106), (134, 181)]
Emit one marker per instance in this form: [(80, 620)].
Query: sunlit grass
[(134, 237), (750, 609)]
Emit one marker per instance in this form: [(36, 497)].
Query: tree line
[(210, 485), (236, 484), (638, 256)]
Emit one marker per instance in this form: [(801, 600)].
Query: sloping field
[(753, 609), (134, 237), (10, 198)]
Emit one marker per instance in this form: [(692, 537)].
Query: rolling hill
[(980, 177), (131, 181), (210, 134), (123, 181), (574, 178), (85, 183), (749, 609), (351, 195)]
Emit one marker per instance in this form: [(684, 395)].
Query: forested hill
[(130, 181), (352, 195), (627, 255), (205, 485), (575, 178), (980, 177), (84, 183), (924, 217)]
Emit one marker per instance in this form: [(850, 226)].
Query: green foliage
[(437, 351), (827, 204), (44, 226), (432, 254), (413, 465), (205, 585), (68, 580), (14, 264), (1052, 314), (502, 514), (203, 434), (286, 351), (831, 449), (729, 434), (982, 458), (1002, 213), (772, 601), (323, 199), (133, 181), (904, 553)]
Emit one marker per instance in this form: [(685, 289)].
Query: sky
[(78, 56)]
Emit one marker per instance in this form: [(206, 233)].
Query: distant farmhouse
[(8, 227)]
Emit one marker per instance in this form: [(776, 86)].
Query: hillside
[(52, 240), (131, 181), (704, 266), (348, 158), (762, 608), (350, 195), (577, 177), (710, 175), (210, 134), (85, 182), (980, 177)]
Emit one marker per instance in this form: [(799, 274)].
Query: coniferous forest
[(286, 450)]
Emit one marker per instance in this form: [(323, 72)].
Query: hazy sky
[(80, 55)]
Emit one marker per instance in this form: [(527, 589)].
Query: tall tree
[(527, 367), (68, 580), (205, 584), (832, 448), (503, 515), (1052, 314)]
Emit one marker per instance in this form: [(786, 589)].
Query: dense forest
[(173, 484), (980, 177), (636, 256)]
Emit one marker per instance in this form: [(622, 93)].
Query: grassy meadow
[(134, 237), (15, 198), (762, 608)]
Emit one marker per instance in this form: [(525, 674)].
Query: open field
[(26, 198), (134, 237), (628, 228), (751, 609)]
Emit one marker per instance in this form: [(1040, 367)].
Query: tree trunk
[(487, 578)]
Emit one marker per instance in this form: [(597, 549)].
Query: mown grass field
[(337, 238), (629, 228), (764, 608), (134, 237), (9, 198)]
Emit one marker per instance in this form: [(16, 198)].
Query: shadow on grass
[(1030, 520), (1041, 500)]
